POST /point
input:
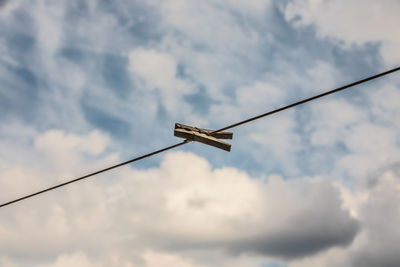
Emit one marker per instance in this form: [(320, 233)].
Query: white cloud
[(76, 259), (185, 213), (359, 22), (277, 137), (6, 262), (148, 258), (369, 138), (158, 70), (183, 205), (155, 259), (370, 146), (47, 158), (249, 101), (189, 18), (212, 55), (49, 18), (321, 76), (7, 7), (331, 119), (361, 137), (57, 142), (258, 97), (189, 195), (66, 151), (384, 104)]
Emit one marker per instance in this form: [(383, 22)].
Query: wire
[(213, 132), (305, 100), (92, 174)]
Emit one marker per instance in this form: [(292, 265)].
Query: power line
[(213, 132), (306, 100), (92, 174)]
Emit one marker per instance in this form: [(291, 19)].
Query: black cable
[(92, 174), (306, 100), (219, 130)]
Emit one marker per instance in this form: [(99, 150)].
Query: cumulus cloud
[(331, 118), (3, 2), (66, 151), (48, 158), (206, 200), (360, 138), (377, 206), (212, 56), (6, 7), (182, 205), (384, 104), (278, 137), (76, 259), (158, 70), (71, 66), (57, 142), (375, 22), (377, 243)]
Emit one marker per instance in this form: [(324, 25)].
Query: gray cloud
[(377, 207), (3, 2), (303, 242), (306, 218), (182, 206), (381, 220)]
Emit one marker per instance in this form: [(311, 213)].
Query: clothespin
[(203, 136)]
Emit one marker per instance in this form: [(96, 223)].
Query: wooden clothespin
[(203, 136)]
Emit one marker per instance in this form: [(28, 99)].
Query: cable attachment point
[(204, 136)]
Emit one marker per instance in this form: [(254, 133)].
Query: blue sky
[(85, 84)]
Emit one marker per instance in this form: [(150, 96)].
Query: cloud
[(211, 56), (48, 158), (279, 138), (377, 207), (158, 71), (67, 150), (154, 259), (4, 261), (191, 196), (3, 3), (374, 22), (6, 7), (331, 119), (69, 69), (149, 258), (57, 142), (182, 205), (360, 138), (380, 213), (49, 20), (76, 259), (384, 104)]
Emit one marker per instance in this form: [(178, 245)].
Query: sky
[(85, 84)]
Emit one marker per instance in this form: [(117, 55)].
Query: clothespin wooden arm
[(219, 135), (201, 135)]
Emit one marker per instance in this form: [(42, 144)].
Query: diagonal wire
[(305, 100), (93, 174), (213, 132)]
